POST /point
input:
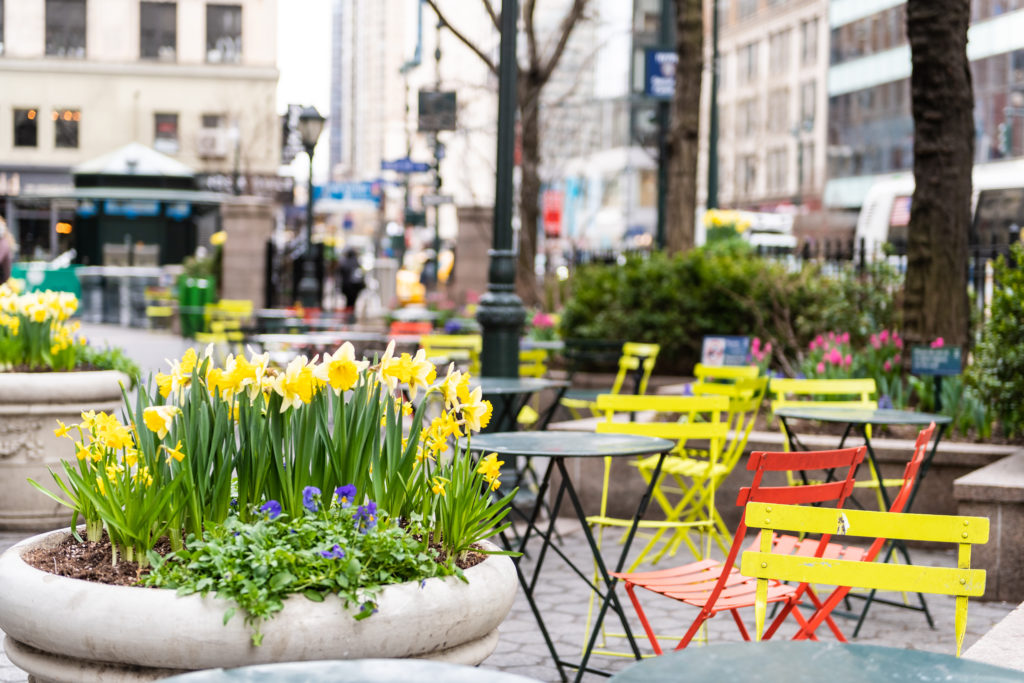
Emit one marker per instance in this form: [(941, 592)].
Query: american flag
[(900, 215)]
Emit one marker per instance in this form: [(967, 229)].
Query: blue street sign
[(404, 165), (356, 192), (724, 350), (660, 73)]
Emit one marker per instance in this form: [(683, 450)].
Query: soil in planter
[(94, 561)]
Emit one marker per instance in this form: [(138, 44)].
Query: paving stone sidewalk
[(563, 598)]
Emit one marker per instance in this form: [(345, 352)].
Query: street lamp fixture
[(311, 124)]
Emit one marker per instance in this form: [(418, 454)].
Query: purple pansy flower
[(309, 496), (335, 553), (367, 516), (272, 508), (346, 494)]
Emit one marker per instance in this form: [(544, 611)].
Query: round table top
[(355, 671), (875, 416), (569, 444), (515, 385), (807, 662)]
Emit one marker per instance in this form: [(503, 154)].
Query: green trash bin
[(193, 295)]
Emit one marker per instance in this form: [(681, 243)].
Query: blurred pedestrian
[(353, 280), (6, 252)]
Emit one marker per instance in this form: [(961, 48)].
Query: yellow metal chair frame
[(706, 425), (462, 349), (831, 393), (961, 582), (637, 357), (688, 477), (532, 363)]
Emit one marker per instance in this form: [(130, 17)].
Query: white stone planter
[(70, 631), (30, 405)]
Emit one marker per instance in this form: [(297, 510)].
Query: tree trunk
[(684, 129), (529, 189), (936, 304)]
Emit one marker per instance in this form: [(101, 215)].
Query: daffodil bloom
[(101, 486), (81, 452), (175, 452), (476, 412), (143, 476), (297, 385), (62, 430), (159, 418), (438, 487), (340, 370), (113, 470), (451, 386), (131, 457), (490, 467)]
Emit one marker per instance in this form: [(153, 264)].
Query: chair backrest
[(708, 423), (533, 362), (746, 395), (637, 360), (461, 348), (836, 393), (961, 582), (723, 374)]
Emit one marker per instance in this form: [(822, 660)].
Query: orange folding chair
[(854, 553), (713, 586)]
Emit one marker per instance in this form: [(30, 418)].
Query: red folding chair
[(714, 586), (853, 553)]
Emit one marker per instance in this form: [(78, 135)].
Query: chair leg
[(631, 592), (739, 624)]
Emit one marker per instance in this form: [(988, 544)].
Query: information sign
[(725, 350)]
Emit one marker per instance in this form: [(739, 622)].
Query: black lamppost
[(311, 124), (501, 312)]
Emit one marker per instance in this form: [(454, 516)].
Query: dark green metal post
[(712, 199), (501, 312)]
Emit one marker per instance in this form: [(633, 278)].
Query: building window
[(65, 123), (778, 168), (747, 67), (747, 8), (808, 99), (65, 28), (26, 127), (778, 110), (158, 30), (224, 34), (165, 133), (778, 52), (746, 175), (809, 41), (746, 118)]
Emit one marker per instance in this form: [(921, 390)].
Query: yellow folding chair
[(764, 565), (462, 349), (637, 358), (707, 423), (830, 393), (532, 363), (688, 476)]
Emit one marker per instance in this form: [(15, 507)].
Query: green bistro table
[(558, 448), (353, 671), (509, 394), (860, 419), (801, 661)]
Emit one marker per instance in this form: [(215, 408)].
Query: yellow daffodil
[(490, 467), (174, 453), (340, 370), (476, 412), (159, 418), (438, 486), (454, 386), (81, 452), (131, 457), (62, 430), (143, 476), (297, 384)]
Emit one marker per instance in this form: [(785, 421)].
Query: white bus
[(997, 206)]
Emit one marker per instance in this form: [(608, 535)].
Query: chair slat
[(888, 577), (868, 523)]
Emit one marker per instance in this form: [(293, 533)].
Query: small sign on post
[(660, 73), (938, 362), (725, 350)]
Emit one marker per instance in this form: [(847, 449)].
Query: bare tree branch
[(495, 19), (462, 38), (531, 36), (570, 20)]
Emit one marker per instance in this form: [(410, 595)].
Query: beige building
[(194, 80), (772, 103)]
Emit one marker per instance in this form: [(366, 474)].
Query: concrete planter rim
[(153, 628), (84, 386)]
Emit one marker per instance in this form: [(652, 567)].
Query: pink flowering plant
[(760, 354), (542, 327), (882, 359), (829, 356)]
